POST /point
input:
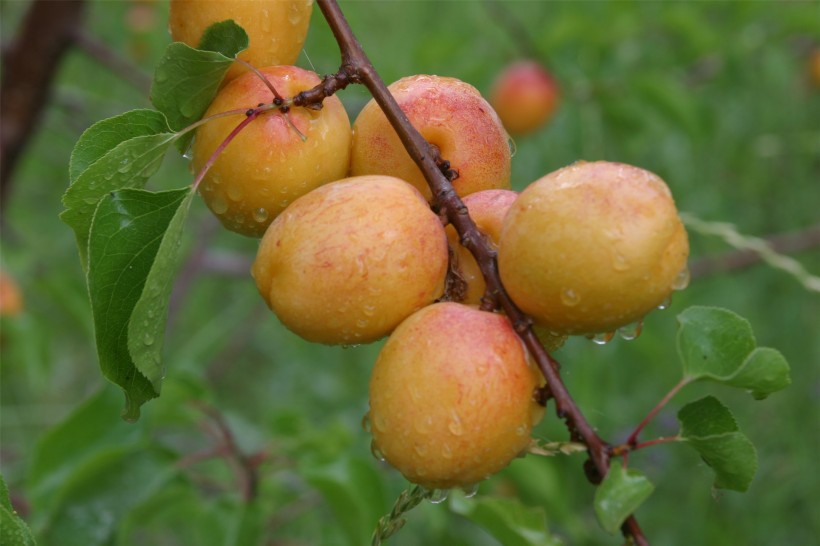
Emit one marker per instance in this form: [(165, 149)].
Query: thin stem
[(262, 77), (633, 438), (656, 441), (252, 115)]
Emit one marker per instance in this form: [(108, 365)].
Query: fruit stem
[(250, 116), (266, 81)]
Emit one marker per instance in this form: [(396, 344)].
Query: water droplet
[(148, 339), (521, 430), (513, 147), (437, 496), (260, 215), (420, 449), (602, 338), (619, 262), (631, 331), (189, 153), (369, 310), (266, 24), (361, 323), (482, 367), (415, 394), (470, 491), (366, 422), (160, 75), (446, 451), (570, 297), (682, 279), (125, 166), (376, 452), (455, 425), (665, 303), (425, 425), (234, 192), (295, 14), (380, 423), (218, 205)]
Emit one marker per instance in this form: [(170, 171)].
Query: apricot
[(451, 396), (450, 114), (592, 247), (346, 263), (487, 209), (269, 163), (525, 96), (276, 28)]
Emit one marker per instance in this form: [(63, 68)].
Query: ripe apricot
[(276, 28), (269, 164), (346, 263), (450, 114), (592, 247), (525, 96), (451, 396)]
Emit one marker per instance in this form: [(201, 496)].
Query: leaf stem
[(632, 440), (251, 115)]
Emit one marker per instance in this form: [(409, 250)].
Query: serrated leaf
[(105, 135), (711, 429), (13, 530), (508, 520), (619, 495), (133, 253), (186, 80), (97, 495), (128, 165), (718, 345)]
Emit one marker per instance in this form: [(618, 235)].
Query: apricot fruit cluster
[(351, 250)]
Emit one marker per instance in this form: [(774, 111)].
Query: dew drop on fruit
[(234, 193), (446, 451), (512, 145), (380, 423), (295, 14), (424, 426), (420, 449), (437, 496), (266, 24), (455, 425), (570, 297), (602, 338), (682, 279), (375, 451), (470, 491), (619, 262), (631, 331), (260, 214), (521, 430), (218, 205), (366, 422), (665, 303)]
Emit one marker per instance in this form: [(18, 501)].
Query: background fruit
[(525, 96), (448, 113), (487, 209), (592, 247), (451, 396), (268, 165), (276, 28), (335, 268)]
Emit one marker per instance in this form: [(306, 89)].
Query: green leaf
[(711, 429), (105, 135), (186, 80), (509, 521), (133, 253), (98, 495), (128, 165), (13, 530), (619, 495), (718, 345)]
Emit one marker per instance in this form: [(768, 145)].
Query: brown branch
[(30, 63), (356, 62), (784, 243)]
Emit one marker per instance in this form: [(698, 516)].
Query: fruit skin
[(450, 114), (346, 263), (525, 96), (268, 165), (451, 396), (592, 247), (487, 209), (276, 28)]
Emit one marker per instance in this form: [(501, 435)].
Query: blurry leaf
[(90, 427), (186, 80), (355, 493), (619, 495), (672, 99), (13, 530), (105, 135), (128, 165), (718, 345), (711, 429), (98, 494), (509, 521), (177, 514), (133, 253)]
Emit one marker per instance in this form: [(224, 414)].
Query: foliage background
[(714, 97)]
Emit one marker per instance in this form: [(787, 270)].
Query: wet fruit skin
[(525, 96), (346, 263), (268, 165), (487, 209), (451, 396), (449, 114), (276, 28), (592, 247)]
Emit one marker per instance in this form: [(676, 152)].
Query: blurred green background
[(713, 96)]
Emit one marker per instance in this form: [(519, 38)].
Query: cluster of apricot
[(351, 252)]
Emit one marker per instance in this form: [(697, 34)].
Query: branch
[(356, 62)]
